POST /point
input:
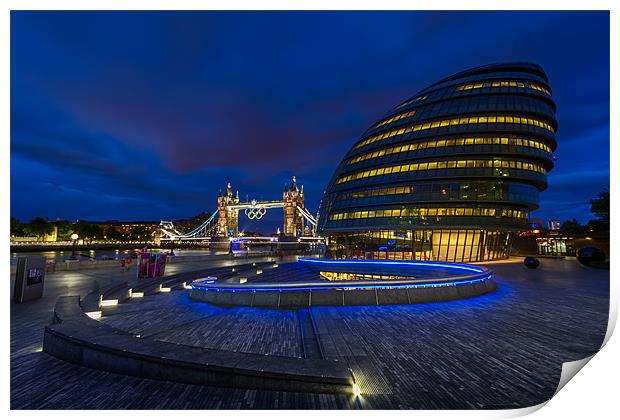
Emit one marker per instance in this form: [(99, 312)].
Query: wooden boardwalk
[(504, 349)]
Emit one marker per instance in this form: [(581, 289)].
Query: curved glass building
[(449, 174)]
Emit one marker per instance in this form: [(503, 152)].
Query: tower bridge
[(224, 222)]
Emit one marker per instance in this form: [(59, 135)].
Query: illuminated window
[(395, 118), (422, 166), (504, 83), (432, 212), (455, 122), (417, 99)]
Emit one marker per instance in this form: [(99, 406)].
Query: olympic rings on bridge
[(255, 212)]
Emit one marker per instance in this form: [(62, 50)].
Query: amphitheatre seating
[(77, 338), (151, 286), (121, 291), (92, 301)]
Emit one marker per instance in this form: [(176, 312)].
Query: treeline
[(40, 226), (597, 227)]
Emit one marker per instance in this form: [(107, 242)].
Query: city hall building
[(450, 174)]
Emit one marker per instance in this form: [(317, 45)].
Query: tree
[(598, 228), (114, 235), (600, 206), (95, 232), (17, 227), (88, 230), (573, 228), (39, 227), (65, 229)]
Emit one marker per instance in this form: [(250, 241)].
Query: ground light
[(94, 314), (107, 303)]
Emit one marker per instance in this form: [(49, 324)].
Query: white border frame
[(592, 395)]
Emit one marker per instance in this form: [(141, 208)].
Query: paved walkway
[(29, 318), (500, 350)]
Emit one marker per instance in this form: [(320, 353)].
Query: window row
[(466, 105), (406, 189), (504, 83), (404, 236), (409, 102), (446, 164), (431, 211), (448, 86), (463, 141), (396, 118), (472, 190), (477, 85), (489, 119), (479, 106)]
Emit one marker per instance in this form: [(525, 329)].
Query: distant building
[(536, 224), (51, 237), (554, 224), (127, 227), (450, 174)]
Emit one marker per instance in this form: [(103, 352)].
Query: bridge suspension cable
[(204, 231), (308, 216)]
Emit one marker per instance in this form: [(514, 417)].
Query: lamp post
[(74, 238)]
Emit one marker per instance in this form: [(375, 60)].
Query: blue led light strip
[(218, 288), (397, 263)]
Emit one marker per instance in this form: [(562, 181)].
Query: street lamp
[(74, 238)]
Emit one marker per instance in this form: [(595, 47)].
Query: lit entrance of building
[(556, 246)]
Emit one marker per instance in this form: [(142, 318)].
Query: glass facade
[(454, 245), (450, 174)]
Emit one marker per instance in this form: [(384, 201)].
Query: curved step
[(79, 339)]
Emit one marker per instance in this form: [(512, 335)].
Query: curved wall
[(448, 174)]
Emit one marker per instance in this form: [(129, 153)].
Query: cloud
[(148, 114)]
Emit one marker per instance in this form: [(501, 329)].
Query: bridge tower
[(293, 220), (227, 218)]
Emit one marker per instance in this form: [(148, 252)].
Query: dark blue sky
[(146, 115)]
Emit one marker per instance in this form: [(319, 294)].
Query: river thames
[(105, 254)]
